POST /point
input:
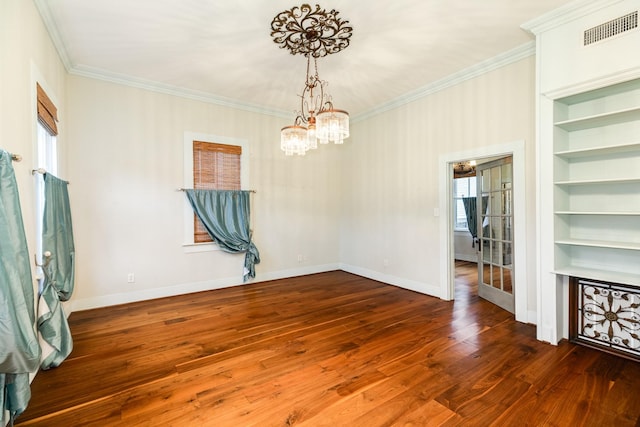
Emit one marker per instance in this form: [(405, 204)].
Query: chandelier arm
[(313, 33)]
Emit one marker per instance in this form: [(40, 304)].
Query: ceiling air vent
[(611, 28)]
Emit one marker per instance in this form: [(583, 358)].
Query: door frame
[(447, 258)]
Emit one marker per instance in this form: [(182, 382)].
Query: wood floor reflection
[(330, 349)]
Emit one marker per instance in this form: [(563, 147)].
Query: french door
[(495, 232)]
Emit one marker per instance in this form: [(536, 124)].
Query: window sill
[(190, 248)]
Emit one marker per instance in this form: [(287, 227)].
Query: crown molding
[(126, 80), (43, 7), (481, 68), (523, 51), (52, 29), (567, 13)]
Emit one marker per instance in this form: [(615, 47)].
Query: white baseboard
[(293, 272), (400, 282), (187, 288)]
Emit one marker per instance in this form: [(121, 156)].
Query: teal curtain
[(59, 268), (225, 215), (471, 209), (19, 348)]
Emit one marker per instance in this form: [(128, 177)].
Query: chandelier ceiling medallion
[(313, 33)]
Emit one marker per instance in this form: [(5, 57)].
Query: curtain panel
[(59, 272), (226, 216), (19, 349), (471, 209)]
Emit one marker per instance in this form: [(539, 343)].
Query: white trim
[(464, 257), (523, 51), (54, 34), (597, 83), (187, 288), (188, 244), (197, 95), (412, 285), (517, 150), (476, 70), (193, 248), (564, 14), (44, 9)]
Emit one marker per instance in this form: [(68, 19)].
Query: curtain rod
[(250, 191), (16, 157)]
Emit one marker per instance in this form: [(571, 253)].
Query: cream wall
[(389, 230), (366, 207), (126, 163)]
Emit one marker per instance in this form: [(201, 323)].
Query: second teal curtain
[(59, 271), (471, 209), (225, 215)]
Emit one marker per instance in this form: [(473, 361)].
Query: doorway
[(483, 224), (515, 149)]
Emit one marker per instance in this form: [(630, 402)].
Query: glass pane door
[(495, 232)]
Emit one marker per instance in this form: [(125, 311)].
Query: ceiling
[(222, 51)]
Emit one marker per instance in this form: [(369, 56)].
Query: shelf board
[(603, 275), (599, 181), (637, 213), (599, 120), (598, 151), (607, 244)]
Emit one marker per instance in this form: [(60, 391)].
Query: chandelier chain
[(313, 33)]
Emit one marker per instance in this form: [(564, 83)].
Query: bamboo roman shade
[(215, 167), (47, 112)]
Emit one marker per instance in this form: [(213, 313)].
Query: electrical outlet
[(131, 278), (299, 257)]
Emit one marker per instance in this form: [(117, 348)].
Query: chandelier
[(313, 33), (464, 169)]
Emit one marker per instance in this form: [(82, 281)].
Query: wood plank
[(326, 350)]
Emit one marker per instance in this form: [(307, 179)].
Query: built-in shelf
[(599, 151), (599, 181), (596, 274), (595, 157), (600, 244), (588, 156), (597, 213), (599, 120)]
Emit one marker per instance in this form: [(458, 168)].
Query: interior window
[(47, 155), (215, 167), (462, 187)]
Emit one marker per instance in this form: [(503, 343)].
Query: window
[(210, 162), (462, 187), (47, 131), (215, 167)]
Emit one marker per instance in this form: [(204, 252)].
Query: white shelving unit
[(596, 176), (588, 154)]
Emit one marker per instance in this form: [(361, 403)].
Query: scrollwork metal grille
[(608, 316)]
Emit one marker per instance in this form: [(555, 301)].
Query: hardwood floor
[(331, 349)]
